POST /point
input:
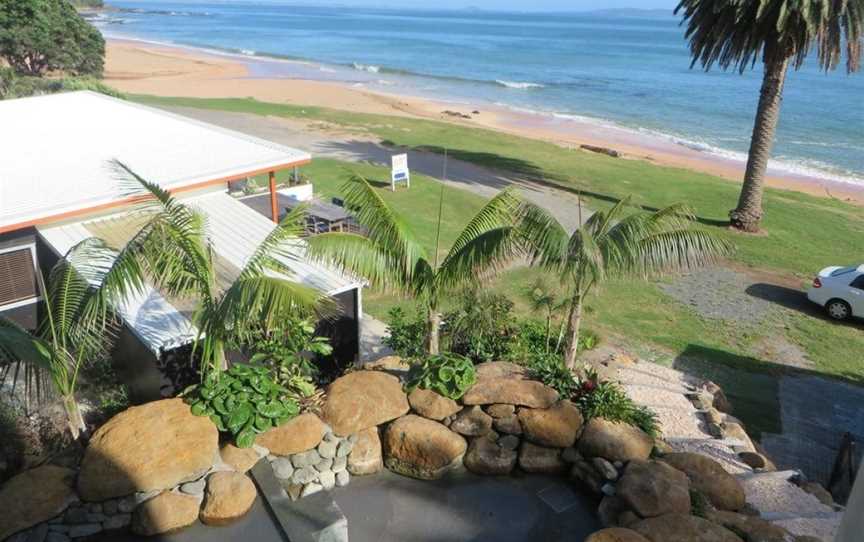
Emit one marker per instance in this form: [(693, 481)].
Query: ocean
[(629, 69)]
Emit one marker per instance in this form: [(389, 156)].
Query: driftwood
[(602, 150)]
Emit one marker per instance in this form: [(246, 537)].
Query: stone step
[(316, 518)]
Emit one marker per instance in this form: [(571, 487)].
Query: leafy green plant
[(483, 327), (290, 350), (244, 401), (405, 335), (606, 399), (450, 375), (550, 370)]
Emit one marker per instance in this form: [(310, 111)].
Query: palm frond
[(264, 300), (280, 244), (646, 244), (735, 33), (360, 256), (500, 211), (385, 228), (543, 238), (485, 253)]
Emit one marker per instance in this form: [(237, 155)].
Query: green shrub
[(290, 351), (406, 336), (244, 401), (482, 328), (550, 370), (20, 86), (450, 375), (608, 400)]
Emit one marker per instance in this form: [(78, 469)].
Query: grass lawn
[(805, 233)]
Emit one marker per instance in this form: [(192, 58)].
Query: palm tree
[(611, 245), (736, 33), (78, 324), (179, 260), (545, 300), (390, 257)]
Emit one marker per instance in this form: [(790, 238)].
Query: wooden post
[(274, 200)]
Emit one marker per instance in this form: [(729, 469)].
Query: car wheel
[(838, 309)]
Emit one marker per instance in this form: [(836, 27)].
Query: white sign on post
[(399, 171)]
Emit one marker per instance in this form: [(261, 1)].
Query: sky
[(516, 5)]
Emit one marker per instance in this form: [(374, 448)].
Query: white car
[(840, 290)]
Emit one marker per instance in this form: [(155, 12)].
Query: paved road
[(353, 147)]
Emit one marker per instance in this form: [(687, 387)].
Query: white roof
[(235, 231), (57, 149)]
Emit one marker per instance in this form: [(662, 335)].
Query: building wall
[(344, 332), (137, 368), (28, 315)]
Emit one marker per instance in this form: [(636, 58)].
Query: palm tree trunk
[(433, 331), (574, 322), (748, 214), (73, 416)]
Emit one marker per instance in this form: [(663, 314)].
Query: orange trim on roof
[(130, 200)]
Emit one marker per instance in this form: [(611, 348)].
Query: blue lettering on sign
[(400, 175)]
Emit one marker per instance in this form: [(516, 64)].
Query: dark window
[(858, 283), (17, 276)]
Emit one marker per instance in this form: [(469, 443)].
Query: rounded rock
[(165, 513), (229, 496), (147, 448), (616, 534), (363, 399), (421, 448)]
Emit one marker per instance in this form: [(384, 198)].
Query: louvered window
[(17, 277)]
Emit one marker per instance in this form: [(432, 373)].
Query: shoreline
[(145, 67)]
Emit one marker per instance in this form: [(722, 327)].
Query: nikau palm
[(390, 257), (737, 33), (179, 259), (612, 245), (78, 324)]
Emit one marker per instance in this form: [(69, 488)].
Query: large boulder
[(533, 458), (432, 405), (708, 477), (683, 528), (363, 399), (754, 529), (616, 534), (653, 488), (486, 456), (35, 496), (299, 434), (614, 441), (229, 496), (421, 448), (555, 427), (366, 456), (165, 513), (472, 422), (505, 383), (147, 448)]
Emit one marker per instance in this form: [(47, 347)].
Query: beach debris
[(456, 114), (602, 150)]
